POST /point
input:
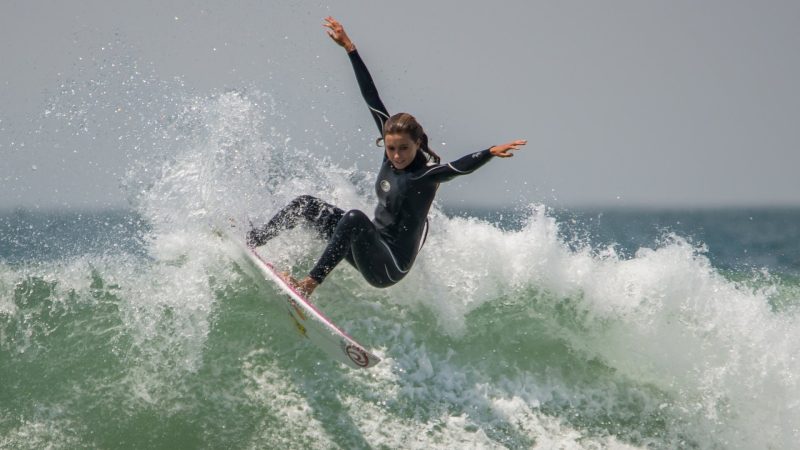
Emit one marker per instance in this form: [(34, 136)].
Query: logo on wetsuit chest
[(385, 186)]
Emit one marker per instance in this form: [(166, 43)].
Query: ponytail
[(430, 155)]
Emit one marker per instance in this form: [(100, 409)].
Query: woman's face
[(400, 149)]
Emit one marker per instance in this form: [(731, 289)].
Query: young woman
[(382, 249)]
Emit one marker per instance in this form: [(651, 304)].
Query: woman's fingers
[(504, 151), (332, 23), (517, 144), (336, 31)]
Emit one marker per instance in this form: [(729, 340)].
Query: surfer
[(383, 249)]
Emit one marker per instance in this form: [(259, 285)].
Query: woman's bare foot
[(305, 286)]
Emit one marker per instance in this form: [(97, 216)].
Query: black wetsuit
[(383, 249)]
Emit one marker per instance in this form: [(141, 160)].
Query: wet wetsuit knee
[(356, 239)]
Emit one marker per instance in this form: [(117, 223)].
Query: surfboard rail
[(309, 320)]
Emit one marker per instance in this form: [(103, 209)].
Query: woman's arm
[(470, 163), (368, 89)]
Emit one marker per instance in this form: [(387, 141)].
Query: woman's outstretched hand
[(504, 151), (337, 33)]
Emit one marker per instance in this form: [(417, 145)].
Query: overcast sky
[(624, 103)]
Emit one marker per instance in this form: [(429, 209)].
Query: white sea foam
[(38, 434), (8, 279)]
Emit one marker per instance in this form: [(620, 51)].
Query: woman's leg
[(356, 239), (322, 216)]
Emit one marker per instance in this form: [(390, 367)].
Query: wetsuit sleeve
[(369, 91), (462, 166)]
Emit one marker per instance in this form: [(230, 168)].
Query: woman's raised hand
[(337, 33), (504, 151)]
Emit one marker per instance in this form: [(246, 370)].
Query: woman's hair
[(405, 123)]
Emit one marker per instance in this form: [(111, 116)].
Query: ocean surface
[(528, 327)]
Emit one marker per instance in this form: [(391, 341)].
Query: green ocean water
[(509, 333)]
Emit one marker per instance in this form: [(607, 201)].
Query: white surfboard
[(307, 318)]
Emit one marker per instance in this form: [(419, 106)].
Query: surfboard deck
[(309, 320)]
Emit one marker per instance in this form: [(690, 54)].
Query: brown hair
[(405, 123)]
